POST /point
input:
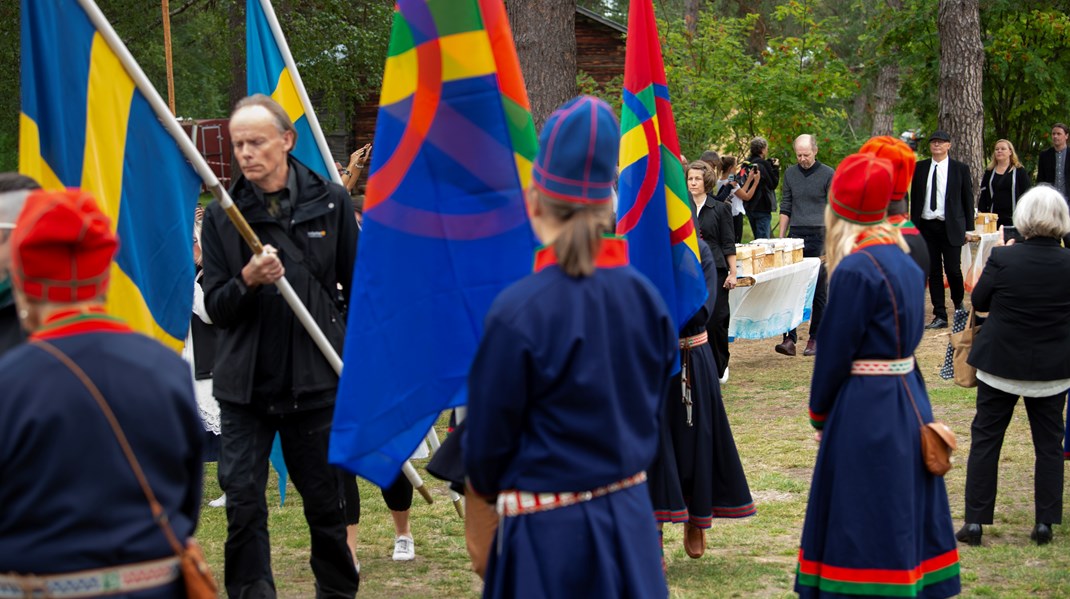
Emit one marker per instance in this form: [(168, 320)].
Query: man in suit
[(1052, 167), (941, 205)]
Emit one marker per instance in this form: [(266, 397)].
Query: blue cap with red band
[(578, 149)]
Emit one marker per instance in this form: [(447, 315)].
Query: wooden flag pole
[(458, 501), (216, 188), (167, 56)]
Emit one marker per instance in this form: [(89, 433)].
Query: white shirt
[(941, 190)]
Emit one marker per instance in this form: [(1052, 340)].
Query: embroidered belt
[(92, 583), (695, 340), (519, 503), (882, 367)]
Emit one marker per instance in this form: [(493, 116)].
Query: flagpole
[(167, 56), (212, 183), (310, 114)]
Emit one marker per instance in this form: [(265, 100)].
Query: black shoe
[(937, 323), (971, 534), (1041, 534), (786, 347)]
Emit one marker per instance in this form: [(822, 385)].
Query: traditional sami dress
[(698, 475), (70, 499), (877, 522), (564, 398)]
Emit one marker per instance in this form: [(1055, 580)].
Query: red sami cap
[(62, 247), (900, 155), (861, 189)]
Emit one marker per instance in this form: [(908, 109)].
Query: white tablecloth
[(974, 258), (779, 301)]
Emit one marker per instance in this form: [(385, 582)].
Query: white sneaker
[(220, 501), (724, 377), (404, 549)]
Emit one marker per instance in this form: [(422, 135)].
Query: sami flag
[(266, 73), (85, 124), (445, 227), (654, 209)]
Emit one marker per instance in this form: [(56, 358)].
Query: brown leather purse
[(197, 575)]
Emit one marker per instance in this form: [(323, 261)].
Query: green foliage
[(610, 92), (724, 96)]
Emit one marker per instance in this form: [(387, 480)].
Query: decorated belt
[(92, 583), (882, 367), (519, 503), (694, 340)]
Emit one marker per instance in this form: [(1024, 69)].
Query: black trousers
[(717, 325), (398, 497), (737, 227), (813, 247), (247, 434), (994, 410), (943, 258)]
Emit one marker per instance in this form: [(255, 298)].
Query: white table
[(778, 301)]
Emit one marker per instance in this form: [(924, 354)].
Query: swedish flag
[(266, 73), (85, 124)]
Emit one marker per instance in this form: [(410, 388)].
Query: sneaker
[(404, 549), (724, 377), (220, 501)]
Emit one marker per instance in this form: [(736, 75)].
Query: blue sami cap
[(578, 149)]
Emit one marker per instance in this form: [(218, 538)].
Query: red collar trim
[(613, 253), (872, 237), (65, 323)]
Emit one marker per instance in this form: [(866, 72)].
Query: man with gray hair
[(802, 206), (13, 191), (269, 376), (761, 206)]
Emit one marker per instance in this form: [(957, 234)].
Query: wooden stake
[(167, 56)]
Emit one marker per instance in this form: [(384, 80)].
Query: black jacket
[(997, 194), (1025, 288), (1046, 166), (11, 333), (715, 227), (958, 199), (764, 199), (324, 229)]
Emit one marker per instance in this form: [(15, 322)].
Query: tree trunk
[(961, 108), (545, 35), (692, 8), (885, 97), (236, 23)]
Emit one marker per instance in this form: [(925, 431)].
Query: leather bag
[(937, 443), (196, 574), (961, 343)]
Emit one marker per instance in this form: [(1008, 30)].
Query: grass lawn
[(766, 400)]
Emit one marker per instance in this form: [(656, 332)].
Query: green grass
[(766, 400)]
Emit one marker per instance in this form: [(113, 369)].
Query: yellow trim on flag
[(523, 168), (31, 163), (466, 55), (110, 91), (286, 95), (399, 78), (633, 144), (124, 299)]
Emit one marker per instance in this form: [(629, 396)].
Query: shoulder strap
[(158, 514), (898, 342), (277, 235)]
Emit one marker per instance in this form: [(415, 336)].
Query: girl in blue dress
[(566, 388), (877, 521)]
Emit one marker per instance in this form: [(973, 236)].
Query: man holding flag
[(269, 376)]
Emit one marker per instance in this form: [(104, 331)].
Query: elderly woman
[(1003, 184), (1021, 352)]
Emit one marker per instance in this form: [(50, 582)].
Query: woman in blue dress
[(877, 521), (566, 388)]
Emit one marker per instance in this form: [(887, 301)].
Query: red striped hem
[(817, 420), (675, 517), (877, 575), (742, 511)]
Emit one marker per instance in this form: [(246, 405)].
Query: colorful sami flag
[(655, 209), (266, 73), (85, 124), (445, 228)]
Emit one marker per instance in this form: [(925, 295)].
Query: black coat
[(324, 229), (11, 333), (715, 227), (958, 199), (1046, 166), (764, 199), (1025, 288), (997, 194)]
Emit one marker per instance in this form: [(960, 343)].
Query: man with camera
[(761, 207)]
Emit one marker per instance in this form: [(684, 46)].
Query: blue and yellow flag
[(266, 73), (85, 124), (655, 210), (445, 228)]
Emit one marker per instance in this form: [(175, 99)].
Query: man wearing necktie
[(941, 205)]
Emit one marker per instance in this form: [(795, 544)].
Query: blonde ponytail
[(580, 238)]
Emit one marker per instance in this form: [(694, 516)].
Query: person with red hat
[(903, 162), (567, 386), (877, 521), (74, 514)]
